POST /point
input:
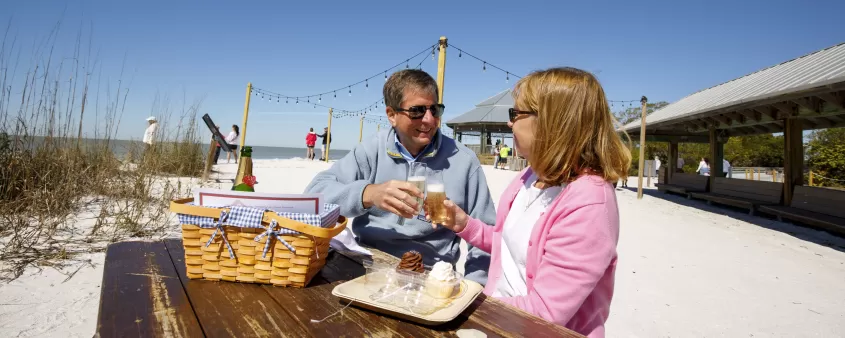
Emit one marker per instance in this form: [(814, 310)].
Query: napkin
[(345, 240)]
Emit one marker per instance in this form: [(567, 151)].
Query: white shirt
[(656, 164), (680, 162), (529, 205), (703, 169), (232, 138), (149, 134), (726, 166)]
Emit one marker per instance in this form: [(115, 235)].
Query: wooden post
[(644, 101), (361, 130), (246, 113), (649, 171), (441, 71), (716, 155), (378, 128), (811, 178), (329, 136), (793, 159), (673, 161), (774, 175), (210, 157)]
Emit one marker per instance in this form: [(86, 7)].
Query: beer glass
[(416, 176), (435, 195)]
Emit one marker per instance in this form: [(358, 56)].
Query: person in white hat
[(149, 134)]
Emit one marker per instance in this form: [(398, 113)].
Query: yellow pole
[(811, 178), (774, 175), (644, 101), (246, 113), (361, 130), (329, 136), (378, 128), (441, 71)]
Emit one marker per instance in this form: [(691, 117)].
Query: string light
[(507, 77), (319, 100), (367, 84), (365, 81), (432, 53), (485, 67), (350, 91)]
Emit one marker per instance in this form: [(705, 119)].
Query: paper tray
[(356, 292)]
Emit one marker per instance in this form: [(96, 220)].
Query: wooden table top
[(145, 292)]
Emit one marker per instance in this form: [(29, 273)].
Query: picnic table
[(145, 292)]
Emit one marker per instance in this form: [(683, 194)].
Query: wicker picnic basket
[(292, 263)]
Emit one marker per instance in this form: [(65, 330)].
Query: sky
[(171, 55)]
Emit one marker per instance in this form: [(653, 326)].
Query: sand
[(685, 270)]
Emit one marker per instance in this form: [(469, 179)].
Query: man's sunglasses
[(418, 112), (513, 113)]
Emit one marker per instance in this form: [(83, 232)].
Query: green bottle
[(245, 180)]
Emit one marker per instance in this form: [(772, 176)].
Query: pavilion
[(805, 93)]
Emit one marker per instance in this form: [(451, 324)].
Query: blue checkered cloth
[(246, 217)]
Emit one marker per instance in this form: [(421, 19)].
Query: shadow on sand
[(797, 230)]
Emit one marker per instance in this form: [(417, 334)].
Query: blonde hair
[(574, 131)]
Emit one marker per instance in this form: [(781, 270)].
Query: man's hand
[(456, 218), (397, 197)]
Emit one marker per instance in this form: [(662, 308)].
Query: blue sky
[(184, 51)]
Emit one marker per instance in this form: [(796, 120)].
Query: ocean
[(121, 147)]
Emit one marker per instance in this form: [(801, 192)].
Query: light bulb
[(350, 91), (460, 52), (485, 67), (507, 77), (320, 100), (385, 76)]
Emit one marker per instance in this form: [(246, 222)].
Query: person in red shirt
[(310, 141)]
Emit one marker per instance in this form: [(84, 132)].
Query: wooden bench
[(742, 193), (819, 207), (684, 184)]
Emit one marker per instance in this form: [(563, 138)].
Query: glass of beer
[(416, 176), (434, 197)]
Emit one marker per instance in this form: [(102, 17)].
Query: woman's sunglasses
[(418, 112), (513, 113)]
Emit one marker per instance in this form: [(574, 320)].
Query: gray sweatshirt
[(378, 160)]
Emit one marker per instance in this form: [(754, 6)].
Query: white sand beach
[(685, 269)]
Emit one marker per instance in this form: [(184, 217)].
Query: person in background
[(369, 183), (680, 167), (310, 141), (704, 167), (150, 134), (326, 136), (726, 168), (553, 248), (503, 155), (656, 166), (495, 151), (232, 140)]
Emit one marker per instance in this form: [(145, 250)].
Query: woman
[(310, 141), (232, 140), (704, 167), (553, 247)]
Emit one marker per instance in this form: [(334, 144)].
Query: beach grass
[(62, 193)]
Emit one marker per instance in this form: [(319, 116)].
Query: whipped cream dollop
[(442, 271)]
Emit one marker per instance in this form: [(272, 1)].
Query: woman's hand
[(456, 218)]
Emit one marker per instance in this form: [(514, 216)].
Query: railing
[(772, 174)]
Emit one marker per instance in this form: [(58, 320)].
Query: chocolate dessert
[(411, 261)]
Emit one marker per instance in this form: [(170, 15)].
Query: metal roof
[(817, 69), (491, 110)]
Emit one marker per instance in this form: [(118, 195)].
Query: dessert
[(442, 280), (411, 261)]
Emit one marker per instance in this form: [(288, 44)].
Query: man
[(504, 153), (726, 168), (327, 139), (680, 167), (496, 157), (656, 166), (149, 134), (370, 184)]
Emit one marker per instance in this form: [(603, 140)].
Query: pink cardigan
[(571, 254)]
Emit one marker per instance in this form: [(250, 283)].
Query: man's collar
[(429, 151)]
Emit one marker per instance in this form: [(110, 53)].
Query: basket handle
[(180, 206)]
